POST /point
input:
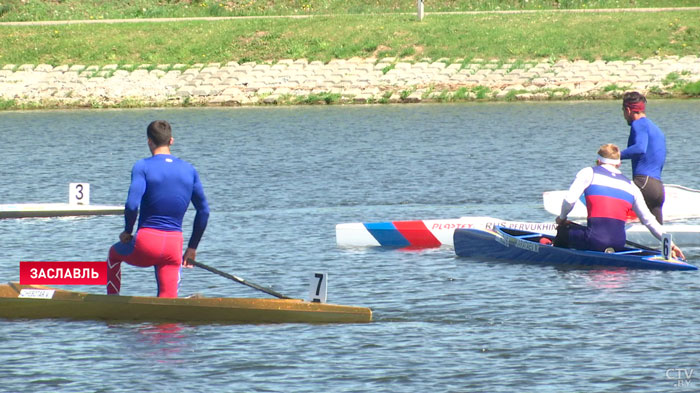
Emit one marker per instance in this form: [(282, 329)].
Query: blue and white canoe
[(514, 245)]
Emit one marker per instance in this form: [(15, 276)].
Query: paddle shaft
[(237, 279), (640, 246)]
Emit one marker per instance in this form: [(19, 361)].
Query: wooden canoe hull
[(85, 306)]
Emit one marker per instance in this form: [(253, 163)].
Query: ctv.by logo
[(682, 376)]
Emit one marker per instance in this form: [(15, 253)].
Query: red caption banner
[(62, 273)]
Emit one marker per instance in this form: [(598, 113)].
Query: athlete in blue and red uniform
[(162, 186), (610, 196), (646, 147)]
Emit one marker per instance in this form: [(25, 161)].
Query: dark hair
[(159, 132), (632, 97)]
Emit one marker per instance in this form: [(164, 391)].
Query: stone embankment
[(342, 81)]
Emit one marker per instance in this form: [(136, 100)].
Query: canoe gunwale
[(84, 306), (501, 244)]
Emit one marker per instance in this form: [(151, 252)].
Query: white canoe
[(24, 210), (416, 234), (681, 203)]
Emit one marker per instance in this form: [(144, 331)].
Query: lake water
[(279, 180)]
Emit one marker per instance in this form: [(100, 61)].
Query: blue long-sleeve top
[(646, 147), (162, 186)]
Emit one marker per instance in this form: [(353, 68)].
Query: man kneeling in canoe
[(610, 196), (162, 186)]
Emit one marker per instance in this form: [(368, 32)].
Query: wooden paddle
[(237, 279)]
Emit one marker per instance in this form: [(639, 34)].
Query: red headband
[(635, 106)]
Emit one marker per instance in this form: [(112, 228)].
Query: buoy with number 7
[(318, 288)]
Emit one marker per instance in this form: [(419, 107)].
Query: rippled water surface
[(279, 180)]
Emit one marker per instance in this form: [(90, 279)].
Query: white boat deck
[(26, 210), (358, 235)]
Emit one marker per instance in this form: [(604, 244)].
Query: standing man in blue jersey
[(646, 147), (610, 196), (162, 186)]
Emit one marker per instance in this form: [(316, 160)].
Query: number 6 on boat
[(318, 290), (666, 245)]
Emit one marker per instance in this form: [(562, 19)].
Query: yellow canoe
[(33, 301)]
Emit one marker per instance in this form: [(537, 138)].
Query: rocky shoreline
[(356, 80)]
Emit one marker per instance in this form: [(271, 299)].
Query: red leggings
[(150, 247)]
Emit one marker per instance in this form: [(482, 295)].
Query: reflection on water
[(609, 278), (166, 333), (163, 342), (279, 180)]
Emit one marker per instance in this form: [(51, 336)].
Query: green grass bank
[(325, 30), (341, 29), (41, 10), (588, 36)]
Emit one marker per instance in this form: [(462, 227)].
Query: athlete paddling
[(162, 186), (609, 197)]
